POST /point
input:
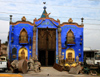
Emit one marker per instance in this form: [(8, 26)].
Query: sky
[(59, 9)]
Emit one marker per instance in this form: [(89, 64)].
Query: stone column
[(59, 43), (34, 42)]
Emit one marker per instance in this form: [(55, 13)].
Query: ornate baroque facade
[(46, 40)]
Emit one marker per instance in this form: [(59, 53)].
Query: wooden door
[(52, 39), (42, 39), (46, 43), (70, 57), (22, 54)]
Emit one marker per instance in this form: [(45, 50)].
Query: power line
[(92, 24), (91, 29), (91, 19), (51, 16), (50, 5), (32, 19), (19, 14)]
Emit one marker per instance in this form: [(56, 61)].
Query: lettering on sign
[(47, 23), (23, 25), (69, 27)]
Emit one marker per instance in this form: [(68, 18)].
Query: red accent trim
[(24, 22), (66, 23), (46, 18)]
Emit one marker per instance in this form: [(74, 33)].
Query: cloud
[(4, 28), (59, 9)]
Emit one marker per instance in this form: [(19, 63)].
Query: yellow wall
[(70, 51), (25, 50)]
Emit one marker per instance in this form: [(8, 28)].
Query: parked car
[(3, 63)]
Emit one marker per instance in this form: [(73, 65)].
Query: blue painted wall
[(15, 32), (78, 34)]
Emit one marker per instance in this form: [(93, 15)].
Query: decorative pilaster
[(34, 42), (59, 44), (10, 19), (82, 21)]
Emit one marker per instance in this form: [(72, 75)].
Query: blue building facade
[(46, 40), (73, 45), (14, 38)]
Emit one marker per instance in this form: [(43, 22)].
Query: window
[(3, 59), (97, 56), (4, 49), (14, 51), (23, 38), (70, 37)]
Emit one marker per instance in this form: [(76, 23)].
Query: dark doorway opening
[(46, 58), (51, 58), (42, 57)]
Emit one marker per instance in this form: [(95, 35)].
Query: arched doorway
[(23, 53), (70, 55)]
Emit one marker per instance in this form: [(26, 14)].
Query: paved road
[(51, 72)]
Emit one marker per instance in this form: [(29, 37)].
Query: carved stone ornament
[(77, 59), (59, 29), (12, 38), (47, 15), (35, 28), (29, 47), (62, 57), (14, 56), (10, 18), (43, 19), (58, 20), (35, 19), (70, 20), (23, 18)]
